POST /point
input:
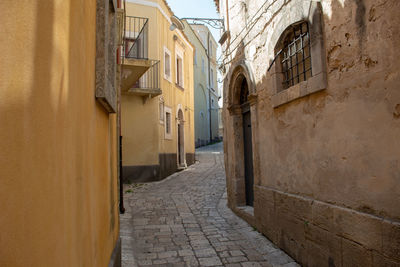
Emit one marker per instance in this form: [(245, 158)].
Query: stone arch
[(241, 70), (310, 12), (240, 115)]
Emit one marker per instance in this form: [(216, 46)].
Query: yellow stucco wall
[(141, 127), (58, 186)]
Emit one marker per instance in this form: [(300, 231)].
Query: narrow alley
[(184, 221)]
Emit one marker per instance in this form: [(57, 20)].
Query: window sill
[(312, 85), (167, 78), (179, 86)]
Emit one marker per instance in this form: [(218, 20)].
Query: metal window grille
[(296, 55)]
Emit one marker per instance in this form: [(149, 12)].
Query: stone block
[(292, 236), (361, 228), (322, 215), (323, 247), (317, 256), (381, 261), (391, 240), (355, 255)]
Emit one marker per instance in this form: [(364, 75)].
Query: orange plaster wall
[(58, 175)]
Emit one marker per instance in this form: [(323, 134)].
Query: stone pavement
[(184, 221)]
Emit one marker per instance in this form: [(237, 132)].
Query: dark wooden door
[(179, 145), (248, 158)]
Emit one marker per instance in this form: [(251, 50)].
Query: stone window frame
[(168, 123), (167, 77), (106, 58), (312, 14), (161, 110)]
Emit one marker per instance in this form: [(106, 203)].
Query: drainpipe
[(227, 16), (209, 81), (121, 184)]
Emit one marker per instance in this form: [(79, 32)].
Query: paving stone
[(167, 254), (251, 264), (186, 252), (211, 261), (184, 221), (207, 252), (236, 253), (237, 259)]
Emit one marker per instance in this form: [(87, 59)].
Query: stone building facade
[(312, 126)]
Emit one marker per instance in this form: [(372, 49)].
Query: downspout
[(209, 82), (227, 16), (121, 184)]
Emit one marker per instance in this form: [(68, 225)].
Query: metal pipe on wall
[(209, 82)]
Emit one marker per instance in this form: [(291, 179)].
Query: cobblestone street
[(184, 221)]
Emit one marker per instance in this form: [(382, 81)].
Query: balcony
[(148, 85), (140, 75)]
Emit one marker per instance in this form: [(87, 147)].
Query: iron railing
[(136, 38), (150, 79)]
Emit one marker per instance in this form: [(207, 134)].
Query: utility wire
[(253, 22)]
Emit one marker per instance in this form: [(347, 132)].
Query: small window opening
[(296, 55), (167, 122)]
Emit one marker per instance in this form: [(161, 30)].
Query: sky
[(195, 9)]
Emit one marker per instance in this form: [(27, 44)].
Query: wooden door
[(248, 158)]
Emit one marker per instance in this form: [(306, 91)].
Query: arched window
[(244, 92), (299, 59), (295, 55)]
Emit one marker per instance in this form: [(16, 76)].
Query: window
[(296, 55), (203, 69), (212, 102), (195, 57), (179, 70), (299, 62), (167, 64), (168, 123)]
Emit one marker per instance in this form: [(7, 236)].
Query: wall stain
[(360, 20), (396, 113)]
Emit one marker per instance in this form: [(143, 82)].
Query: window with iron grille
[(168, 123), (296, 55)]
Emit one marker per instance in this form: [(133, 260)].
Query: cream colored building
[(206, 93), (312, 126), (158, 110)]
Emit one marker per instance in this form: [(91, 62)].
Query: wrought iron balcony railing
[(150, 79), (136, 38)]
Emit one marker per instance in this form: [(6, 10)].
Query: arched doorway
[(181, 140), (247, 143)]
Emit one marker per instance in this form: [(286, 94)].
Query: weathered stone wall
[(327, 156)]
